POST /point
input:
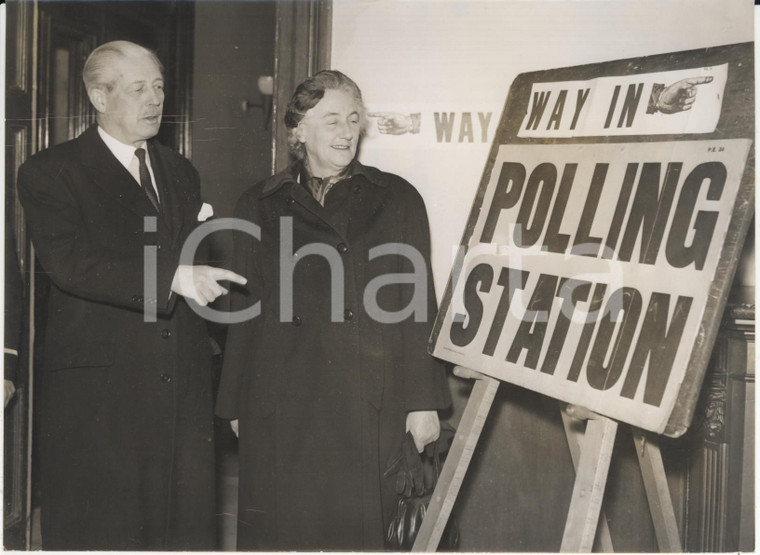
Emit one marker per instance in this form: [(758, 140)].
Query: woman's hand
[(467, 373), (424, 427)]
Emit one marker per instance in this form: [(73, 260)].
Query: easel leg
[(590, 481), (574, 438), (455, 467), (658, 493)]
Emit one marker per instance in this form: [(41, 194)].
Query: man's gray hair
[(98, 69)]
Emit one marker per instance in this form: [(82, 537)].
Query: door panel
[(20, 143)]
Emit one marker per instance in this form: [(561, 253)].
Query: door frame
[(303, 44), (21, 138)]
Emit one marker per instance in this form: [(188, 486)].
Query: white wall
[(462, 56)]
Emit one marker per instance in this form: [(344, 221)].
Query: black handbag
[(416, 478)]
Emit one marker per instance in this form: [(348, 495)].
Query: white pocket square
[(206, 212)]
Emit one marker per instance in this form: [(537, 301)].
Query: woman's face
[(330, 133)]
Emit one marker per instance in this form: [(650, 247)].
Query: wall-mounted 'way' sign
[(596, 271)]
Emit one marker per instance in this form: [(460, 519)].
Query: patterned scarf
[(320, 186)]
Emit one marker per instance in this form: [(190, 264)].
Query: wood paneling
[(721, 474)]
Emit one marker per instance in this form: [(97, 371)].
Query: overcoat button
[(166, 333), (289, 202), (166, 378), (342, 248), (348, 314), (296, 321), (357, 188)]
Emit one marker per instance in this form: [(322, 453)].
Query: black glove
[(407, 465), (416, 477)]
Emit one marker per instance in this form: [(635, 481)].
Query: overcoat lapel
[(115, 180), (304, 198)]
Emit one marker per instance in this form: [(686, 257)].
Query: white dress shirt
[(125, 154)]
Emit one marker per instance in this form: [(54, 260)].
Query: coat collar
[(290, 175), (112, 177), (124, 153)]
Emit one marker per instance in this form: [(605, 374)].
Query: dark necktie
[(145, 180)]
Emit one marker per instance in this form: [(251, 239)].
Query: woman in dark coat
[(327, 379)]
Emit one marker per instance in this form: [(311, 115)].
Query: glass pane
[(59, 89)]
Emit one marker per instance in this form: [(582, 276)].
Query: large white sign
[(587, 273)]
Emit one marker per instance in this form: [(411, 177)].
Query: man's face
[(330, 132), (131, 111)]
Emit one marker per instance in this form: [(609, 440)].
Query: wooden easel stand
[(591, 452), (456, 464)]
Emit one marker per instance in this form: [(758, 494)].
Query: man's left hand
[(424, 426)]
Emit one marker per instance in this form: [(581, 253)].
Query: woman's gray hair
[(98, 70), (308, 94)]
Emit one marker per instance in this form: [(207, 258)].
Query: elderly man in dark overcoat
[(127, 451), (330, 375)]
